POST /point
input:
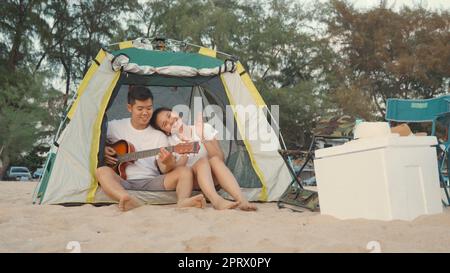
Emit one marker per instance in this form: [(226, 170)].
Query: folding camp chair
[(296, 195), (329, 131), (436, 111)]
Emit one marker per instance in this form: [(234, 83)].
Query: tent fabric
[(71, 176), (250, 86), (122, 61), (92, 69), (168, 81), (207, 52), (154, 58), (97, 132), (268, 164), (260, 170)]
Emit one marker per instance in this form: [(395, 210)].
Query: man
[(148, 173)]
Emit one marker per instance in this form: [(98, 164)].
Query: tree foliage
[(28, 114), (389, 54)]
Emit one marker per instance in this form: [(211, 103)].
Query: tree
[(24, 113), (269, 38), (26, 103), (19, 21), (299, 110), (295, 71), (389, 54), (33, 159), (77, 32)]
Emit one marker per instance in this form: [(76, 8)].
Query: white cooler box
[(380, 178)]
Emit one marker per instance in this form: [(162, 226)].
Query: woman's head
[(164, 119)]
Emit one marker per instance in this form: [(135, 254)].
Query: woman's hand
[(185, 133)]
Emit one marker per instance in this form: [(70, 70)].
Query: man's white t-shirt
[(209, 133), (146, 139)]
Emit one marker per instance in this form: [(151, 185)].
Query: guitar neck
[(141, 154)]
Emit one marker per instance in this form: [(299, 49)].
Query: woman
[(208, 165)]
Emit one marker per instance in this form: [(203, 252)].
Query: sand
[(31, 228)]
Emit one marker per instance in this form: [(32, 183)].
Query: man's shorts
[(148, 184)]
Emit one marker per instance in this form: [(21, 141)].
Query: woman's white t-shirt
[(209, 133), (146, 139)]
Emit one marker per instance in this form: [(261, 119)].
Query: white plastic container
[(380, 178), (371, 129)]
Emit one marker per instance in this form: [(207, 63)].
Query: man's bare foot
[(247, 206), (127, 203), (222, 204), (197, 201)]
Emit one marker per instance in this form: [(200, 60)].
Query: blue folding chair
[(436, 111)]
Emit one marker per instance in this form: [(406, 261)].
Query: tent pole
[(278, 127), (178, 43)]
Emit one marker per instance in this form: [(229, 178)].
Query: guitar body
[(123, 147)]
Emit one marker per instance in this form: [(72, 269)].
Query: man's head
[(140, 105)]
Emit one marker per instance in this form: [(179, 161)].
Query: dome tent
[(181, 77)]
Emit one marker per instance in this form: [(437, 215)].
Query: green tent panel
[(154, 58)]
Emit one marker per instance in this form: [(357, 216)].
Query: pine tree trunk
[(6, 162), (66, 95), (14, 55)]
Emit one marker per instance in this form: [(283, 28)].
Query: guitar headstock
[(187, 148)]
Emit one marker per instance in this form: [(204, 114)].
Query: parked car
[(38, 173), (18, 173)]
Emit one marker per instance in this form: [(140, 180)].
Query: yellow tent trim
[(92, 69), (126, 44), (96, 138), (263, 196), (250, 86), (239, 68), (207, 52)]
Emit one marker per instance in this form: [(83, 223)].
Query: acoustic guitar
[(126, 153)]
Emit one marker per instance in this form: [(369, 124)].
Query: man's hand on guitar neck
[(166, 161)]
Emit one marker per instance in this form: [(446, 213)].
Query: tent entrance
[(186, 94)]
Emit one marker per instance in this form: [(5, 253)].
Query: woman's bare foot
[(222, 204), (197, 201), (247, 206), (127, 203)]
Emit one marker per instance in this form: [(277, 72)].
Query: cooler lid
[(372, 143)]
